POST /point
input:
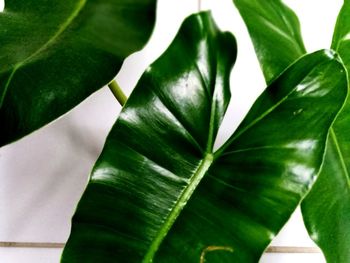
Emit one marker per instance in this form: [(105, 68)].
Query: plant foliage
[(53, 54), (326, 209), (160, 193)]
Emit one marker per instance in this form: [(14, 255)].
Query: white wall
[(43, 175)]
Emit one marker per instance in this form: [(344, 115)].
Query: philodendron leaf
[(275, 32), (159, 193), (326, 210), (341, 36), (53, 54)]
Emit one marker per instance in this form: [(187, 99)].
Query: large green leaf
[(326, 210), (158, 192), (53, 54), (341, 36), (275, 32)]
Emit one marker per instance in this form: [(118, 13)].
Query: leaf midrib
[(61, 29), (195, 179), (340, 155), (180, 204), (198, 176)]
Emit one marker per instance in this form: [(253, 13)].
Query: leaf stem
[(117, 92)]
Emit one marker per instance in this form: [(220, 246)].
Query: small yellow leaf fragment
[(213, 248)]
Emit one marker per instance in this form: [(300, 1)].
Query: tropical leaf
[(53, 54), (275, 32), (326, 210), (341, 36), (159, 193)]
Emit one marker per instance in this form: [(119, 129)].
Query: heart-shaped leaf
[(326, 210), (53, 54), (275, 32), (159, 193)]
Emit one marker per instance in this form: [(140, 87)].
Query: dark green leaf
[(275, 32), (158, 192), (341, 36), (326, 210), (53, 54)]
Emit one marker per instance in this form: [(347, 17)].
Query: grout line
[(199, 5), (272, 249), (31, 245), (285, 249)]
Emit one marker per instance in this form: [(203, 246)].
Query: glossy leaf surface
[(275, 32), (158, 192), (326, 210), (341, 36), (53, 54)]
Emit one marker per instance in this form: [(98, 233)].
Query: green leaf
[(326, 210), (159, 193), (275, 32), (341, 36), (53, 54)]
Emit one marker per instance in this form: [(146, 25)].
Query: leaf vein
[(180, 122), (61, 29), (178, 207), (341, 156)]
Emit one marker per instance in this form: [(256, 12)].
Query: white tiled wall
[(43, 175)]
